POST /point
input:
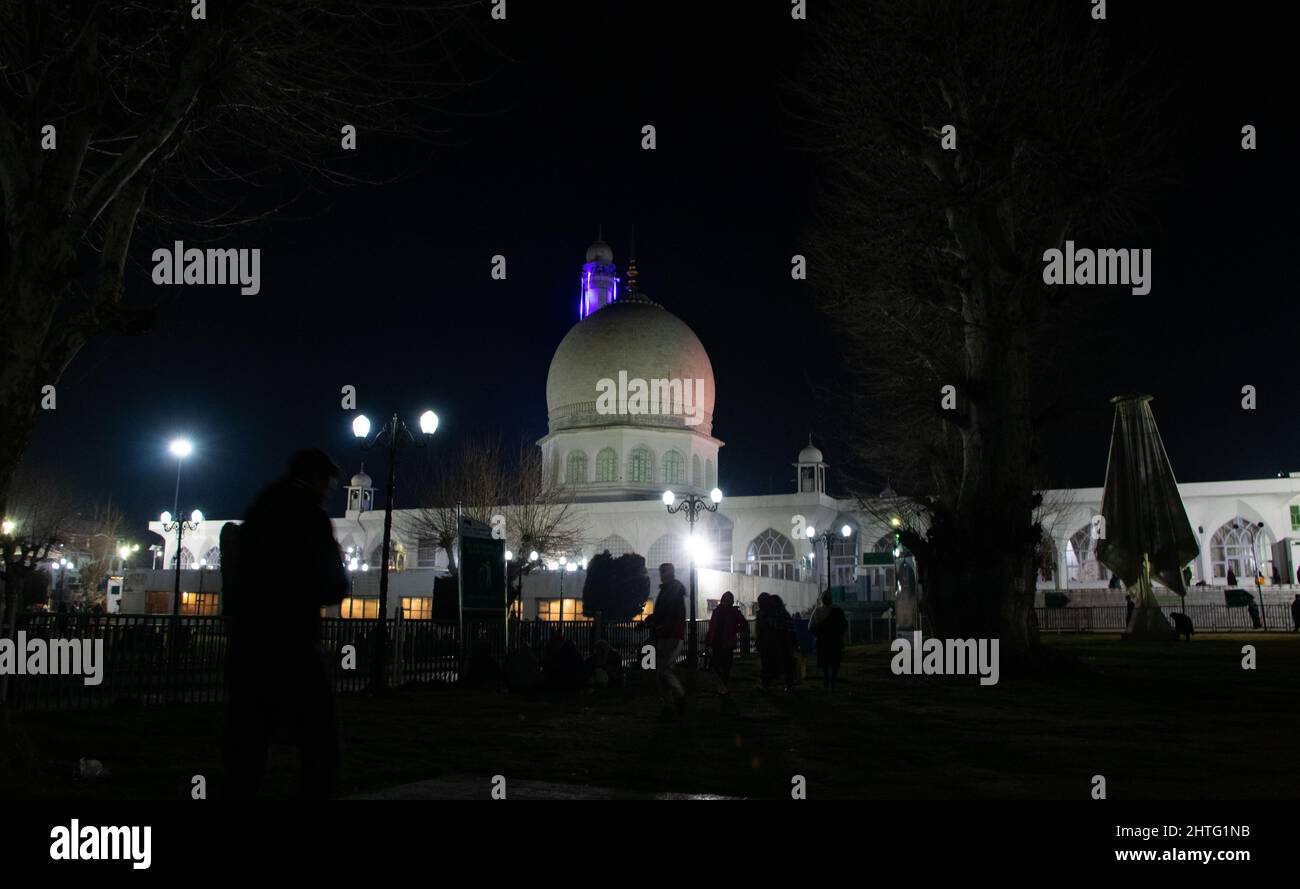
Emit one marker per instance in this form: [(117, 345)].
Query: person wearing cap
[(288, 567)]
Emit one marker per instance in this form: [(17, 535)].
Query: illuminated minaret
[(599, 283)]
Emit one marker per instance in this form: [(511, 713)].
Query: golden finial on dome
[(631, 262)]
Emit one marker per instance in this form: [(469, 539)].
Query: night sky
[(387, 287)]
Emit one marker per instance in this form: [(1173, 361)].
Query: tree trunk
[(979, 582)]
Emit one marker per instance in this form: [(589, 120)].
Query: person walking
[(776, 642), (1295, 614), (667, 633), (277, 678), (726, 627), (829, 626)]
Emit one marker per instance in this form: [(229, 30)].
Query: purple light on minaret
[(598, 282)]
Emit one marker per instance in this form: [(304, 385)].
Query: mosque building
[(630, 398)]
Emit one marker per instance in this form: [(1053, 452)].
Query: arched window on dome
[(613, 544), (607, 465), (187, 559), (674, 468), (710, 477), (575, 472), (213, 557), (697, 477), (641, 466), (1245, 548), (771, 554)]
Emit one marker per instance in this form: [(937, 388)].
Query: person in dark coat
[(1232, 577), (1295, 614), (829, 626), (726, 626), (776, 642), (288, 567), (604, 667), (1128, 609), (667, 633), (562, 667), (804, 639)]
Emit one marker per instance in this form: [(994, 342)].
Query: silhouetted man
[(668, 630), (288, 567)]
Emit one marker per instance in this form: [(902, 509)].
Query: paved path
[(466, 787)]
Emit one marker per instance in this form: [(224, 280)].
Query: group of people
[(278, 683), (775, 636)]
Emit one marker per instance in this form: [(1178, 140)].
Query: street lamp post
[(398, 435), (180, 527), (828, 536), (692, 505), (1254, 558), (63, 567), (180, 448)]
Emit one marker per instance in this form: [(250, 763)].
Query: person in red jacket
[(726, 626), (668, 629)]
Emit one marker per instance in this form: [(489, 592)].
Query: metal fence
[(1205, 618), (140, 666)]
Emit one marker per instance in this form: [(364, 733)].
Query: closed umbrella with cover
[(1145, 531)]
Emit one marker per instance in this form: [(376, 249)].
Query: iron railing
[(1205, 618)]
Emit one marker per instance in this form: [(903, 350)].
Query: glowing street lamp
[(399, 435), (692, 505), (829, 535), (180, 527), (180, 448)]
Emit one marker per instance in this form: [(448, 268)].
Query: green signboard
[(878, 558), (482, 574)]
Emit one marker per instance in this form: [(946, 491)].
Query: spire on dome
[(598, 286), (812, 468), (631, 262), (361, 492), (599, 251)]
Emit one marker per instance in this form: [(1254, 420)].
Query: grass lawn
[(1158, 721)]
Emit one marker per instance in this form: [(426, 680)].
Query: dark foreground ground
[(1165, 721)]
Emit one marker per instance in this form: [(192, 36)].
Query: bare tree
[(114, 115), (500, 488), (103, 540), (959, 140), (39, 518)]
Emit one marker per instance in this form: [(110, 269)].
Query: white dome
[(810, 454), (638, 337), (360, 480)]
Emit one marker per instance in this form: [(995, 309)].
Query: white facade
[(615, 465)]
